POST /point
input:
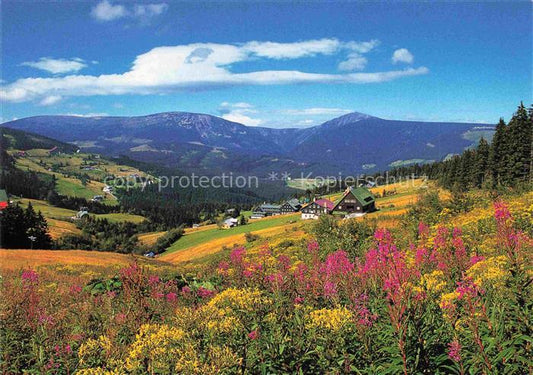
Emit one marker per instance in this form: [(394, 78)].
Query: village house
[(291, 206), (266, 210), (317, 208), (230, 223), (355, 201), (83, 212)]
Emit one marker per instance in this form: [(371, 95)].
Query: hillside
[(352, 143), (22, 140)]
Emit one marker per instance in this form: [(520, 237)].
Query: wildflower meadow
[(452, 301)]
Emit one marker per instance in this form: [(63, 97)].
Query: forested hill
[(22, 140), (506, 161)]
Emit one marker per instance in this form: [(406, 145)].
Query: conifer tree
[(497, 152), (481, 162)]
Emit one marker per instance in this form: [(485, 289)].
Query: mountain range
[(351, 144)]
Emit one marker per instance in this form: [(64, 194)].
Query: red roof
[(325, 203)]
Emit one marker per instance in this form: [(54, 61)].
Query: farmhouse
[(230, 223), (290, 206), (355, 200), (314, 209), (266, 210)]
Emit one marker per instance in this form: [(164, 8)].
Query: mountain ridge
[(197, 141)]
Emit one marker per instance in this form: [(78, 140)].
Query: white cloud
[(95, 114), (278, 51), (354, 62), (105, 11), (167, 69), (402, 55), (149, 10), (317, 111), (57, 66), (239, 112), (51, 100)]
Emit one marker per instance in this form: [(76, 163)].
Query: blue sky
[(278, 64)]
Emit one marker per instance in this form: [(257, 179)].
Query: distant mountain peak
[(348, 118)]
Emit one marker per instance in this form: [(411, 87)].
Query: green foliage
[(167, 239), (351, 236), (251, 237)]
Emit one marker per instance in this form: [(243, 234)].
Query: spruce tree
[(497, 152), (481, 162), (518, 146)]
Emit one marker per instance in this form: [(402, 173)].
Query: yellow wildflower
[(448, 299), (329, 319), (434, 282), (94, 350), (238, 299), (96, 371), (157, 346), (490, 271)]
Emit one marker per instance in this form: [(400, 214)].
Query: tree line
[(506, 162)]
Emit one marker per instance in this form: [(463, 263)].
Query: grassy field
[(212, 245), (65, 167), (207, 235), (57, 214), (149, 238), (200, 243), (59, 228), (118, 217), (19, 259)]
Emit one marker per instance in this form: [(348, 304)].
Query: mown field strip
[(215, 245), (202, 236), (19, 259)]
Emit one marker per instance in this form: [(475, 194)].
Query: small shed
[(4, 201)]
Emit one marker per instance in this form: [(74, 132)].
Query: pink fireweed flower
[(330, 289), (275, 280), (185, 290), (248, 273), (153, 280), (476, 258), (46, 319), (171, 297), (237, 255), (313, 247), (337, 264), (223, 267), (30, 277), (423, 230), (75, 289), (131, 271), (467, 288), (205, 293), (284, 262), (254, 335), (298, 300), (501, 211), (454, 351)]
